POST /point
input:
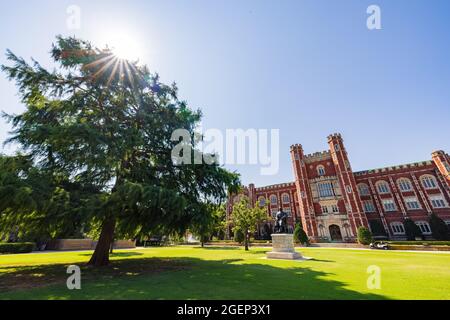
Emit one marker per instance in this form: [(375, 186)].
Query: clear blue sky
[(309, 68)]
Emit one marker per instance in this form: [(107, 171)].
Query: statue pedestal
[(283, 247)]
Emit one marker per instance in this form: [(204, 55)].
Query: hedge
[(418, 243), (20, 247)]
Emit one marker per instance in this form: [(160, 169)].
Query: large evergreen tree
[(412, 231), (439, 228), (36, 205), (106, 125)]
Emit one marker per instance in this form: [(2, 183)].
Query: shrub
[(300, 235), (364, 236), (412, 230), (424, 243), (439, 228), (20, 247), (238, 236)]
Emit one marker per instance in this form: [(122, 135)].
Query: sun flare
[(124, 47)]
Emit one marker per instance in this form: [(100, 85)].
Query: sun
[(124, 47)]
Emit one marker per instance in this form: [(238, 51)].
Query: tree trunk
[(203, 244), (101, 254), (246, 241)]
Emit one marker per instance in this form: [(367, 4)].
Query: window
[(389, 205), (337, 147), (321, 231), (397, 228), (262, 201), (321, 170), (412, 203), (429, 182), (273, 199), (349, 189), (288, 211), (325, 189), (383, 187), (438, 202), (363, 189), (368, 206), (286, 198), (274, 213), (335, 208), (404, 185), (424, 227), (324, 209)]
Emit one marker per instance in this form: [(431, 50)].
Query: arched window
[(397, 228), (286, 198), (404, 184), (273, 199), (262, 201), (383, 187), (428, 182), (321, 170), (363, 189)]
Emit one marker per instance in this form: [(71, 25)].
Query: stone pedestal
[(283, 247)]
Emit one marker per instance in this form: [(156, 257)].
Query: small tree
[(238, 236), (364, 236), (412, 230), (245, 218), (300, 235), (439, 228)]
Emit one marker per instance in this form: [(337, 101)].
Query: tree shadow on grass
[(38, 276), (217, 248), (321, 260), (117, 254), (178, 278)]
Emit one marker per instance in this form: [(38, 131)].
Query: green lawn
[(228, 273)]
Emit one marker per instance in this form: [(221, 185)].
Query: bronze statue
[(281, 223)]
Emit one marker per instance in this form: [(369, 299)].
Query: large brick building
[(332, 201)]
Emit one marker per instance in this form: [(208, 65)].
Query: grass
[(228, 273)]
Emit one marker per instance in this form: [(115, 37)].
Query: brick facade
[(332, 201)]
